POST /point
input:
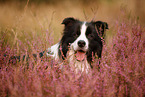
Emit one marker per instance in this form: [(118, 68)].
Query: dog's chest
[(77, 66)]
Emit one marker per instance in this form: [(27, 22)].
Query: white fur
[(53, 51), (83, 37), (78, 66)]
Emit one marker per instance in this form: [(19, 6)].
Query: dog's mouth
[(80, 55)]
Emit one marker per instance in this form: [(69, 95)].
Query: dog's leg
[(53, 51), (15, 59)]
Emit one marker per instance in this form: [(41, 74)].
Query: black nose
[(81, 43)]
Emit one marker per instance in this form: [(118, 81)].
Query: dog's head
[(84, 38)]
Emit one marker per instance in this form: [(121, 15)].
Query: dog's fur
[(80, 42)]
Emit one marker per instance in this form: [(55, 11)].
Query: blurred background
[(39, 15)]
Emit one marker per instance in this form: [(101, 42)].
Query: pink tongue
[(80, 55)]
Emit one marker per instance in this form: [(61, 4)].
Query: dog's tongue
[(80, 55)]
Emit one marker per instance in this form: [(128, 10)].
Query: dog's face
[(84, 38)]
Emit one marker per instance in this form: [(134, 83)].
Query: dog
[(80, 42)]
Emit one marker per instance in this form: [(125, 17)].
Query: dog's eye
[(78, 32), (88, 31)]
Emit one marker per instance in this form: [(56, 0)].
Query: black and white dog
[(80, 42)]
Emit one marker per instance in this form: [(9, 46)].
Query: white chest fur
[(77, 66)]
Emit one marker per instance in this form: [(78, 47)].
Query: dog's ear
[(68, 21), (100, 24), (101, 27)]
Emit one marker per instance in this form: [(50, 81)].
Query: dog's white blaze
[(83, 65), (81, 37)]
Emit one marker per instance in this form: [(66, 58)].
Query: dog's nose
[(81, 43)]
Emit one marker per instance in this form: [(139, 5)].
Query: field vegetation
[(31, 26)]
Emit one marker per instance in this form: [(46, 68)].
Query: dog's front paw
[(49, 52), (53, 51)]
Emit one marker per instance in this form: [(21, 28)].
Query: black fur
[(14, 59)]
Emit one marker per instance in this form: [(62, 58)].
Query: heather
[(119, 73)]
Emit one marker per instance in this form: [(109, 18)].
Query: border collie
[(81, 41)]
